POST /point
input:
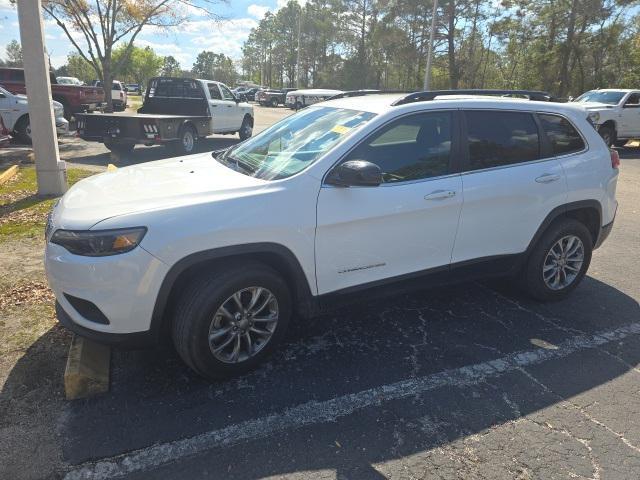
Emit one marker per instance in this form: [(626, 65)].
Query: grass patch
[(22, 212)]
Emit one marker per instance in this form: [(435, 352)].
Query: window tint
[(564, 138), (410, 148), (175, 87), (501, 138), (214, 92)]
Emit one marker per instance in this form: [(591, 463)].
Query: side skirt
[(490, 267)]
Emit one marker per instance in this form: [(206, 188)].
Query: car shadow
[(154, 398)]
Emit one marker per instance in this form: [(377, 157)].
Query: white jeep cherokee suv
[(615, 114), (220, 251)]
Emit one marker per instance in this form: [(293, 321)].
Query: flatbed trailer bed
[(121, 131)]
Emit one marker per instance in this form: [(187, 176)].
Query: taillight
[(615, 158)]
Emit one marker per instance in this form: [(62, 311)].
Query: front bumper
[(123, 287)]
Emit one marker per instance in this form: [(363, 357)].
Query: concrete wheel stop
[(87, 370)]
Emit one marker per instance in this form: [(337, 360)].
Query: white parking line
[(330, 410)]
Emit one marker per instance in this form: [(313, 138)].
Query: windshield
[(294, 143), (611, 98)]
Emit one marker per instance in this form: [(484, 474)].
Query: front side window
[(633, 100), (294, 143), (410, 148), (564, 138), (226, 93), (498, 138)]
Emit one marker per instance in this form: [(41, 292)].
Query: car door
[(630, 121), (234, 112), (218, 109), (405, 225), (7, 110), (509, 186)]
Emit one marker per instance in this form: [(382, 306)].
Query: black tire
[(23, 129), (532, 279), (187, 141), (201, 299), (608, 134), (620, 143), (273, 103), (120, 148), (246, 129)]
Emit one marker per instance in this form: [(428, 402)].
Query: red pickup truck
[(74, 98)]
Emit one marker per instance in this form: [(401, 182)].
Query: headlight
[(99, 243), (594, 116)]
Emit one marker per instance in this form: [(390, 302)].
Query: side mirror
[(355, 173)]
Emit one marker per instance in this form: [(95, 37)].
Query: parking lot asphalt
[(96, 156), (466, 381)]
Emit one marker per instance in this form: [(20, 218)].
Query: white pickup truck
[(14, 110), (615, 113), (176, 112)]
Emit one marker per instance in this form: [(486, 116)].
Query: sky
[(184, 42)]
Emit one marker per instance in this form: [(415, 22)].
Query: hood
[(151, 186), (594, 105)]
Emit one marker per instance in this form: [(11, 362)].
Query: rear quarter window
[(562, 135)]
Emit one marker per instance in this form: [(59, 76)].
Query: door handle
[(214, 105), (440, 195), (229, 106), (547, 178)]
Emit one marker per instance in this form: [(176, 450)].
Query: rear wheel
[(246, 130), (120, 148), (559, 261), (228, 321), (186, 143), (274, 102)]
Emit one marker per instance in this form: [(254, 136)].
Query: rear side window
[(563, 136), (498, 138), (176, 88)]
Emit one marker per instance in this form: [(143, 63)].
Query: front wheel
[(23, 129), (559, 261), (246, 130), (274, 102), (608, 135), (228, 321), (120, 148)]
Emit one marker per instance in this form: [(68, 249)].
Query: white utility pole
[(432, 35), (50, 171)]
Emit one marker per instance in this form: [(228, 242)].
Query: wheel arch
[(611, 124), (277, 256), (23, 118), (588, 212)]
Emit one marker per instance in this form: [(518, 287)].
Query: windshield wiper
[(247, 167)]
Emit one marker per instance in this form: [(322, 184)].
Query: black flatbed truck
[(176, 112)]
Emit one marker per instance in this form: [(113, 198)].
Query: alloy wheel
[(243, 324), (563, 262)]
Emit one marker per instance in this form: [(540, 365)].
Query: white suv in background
[(615, 113), (350, 198)]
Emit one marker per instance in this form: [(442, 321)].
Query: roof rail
[(353, 93), (432, 94)]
